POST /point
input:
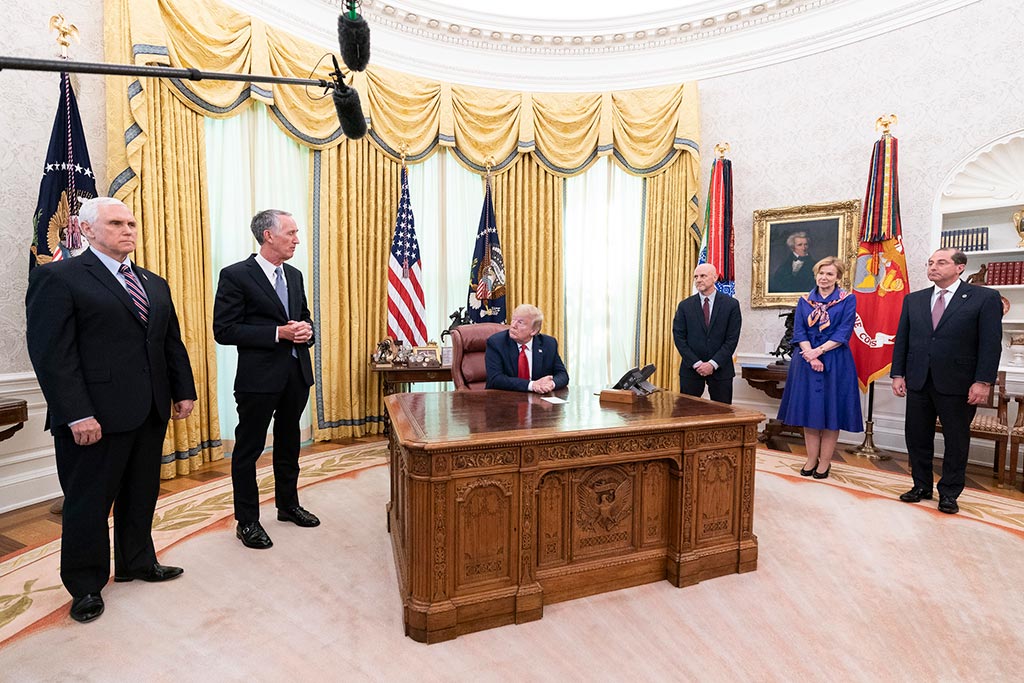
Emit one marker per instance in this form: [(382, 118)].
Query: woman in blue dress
[(821, 392)]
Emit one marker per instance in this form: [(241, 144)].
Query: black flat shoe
[(298, 515), (158, 572), (253, 535), (948, 505), (915, 495), (822, 475), (87, 608)]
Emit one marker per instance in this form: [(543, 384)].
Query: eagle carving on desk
[(604, 503)]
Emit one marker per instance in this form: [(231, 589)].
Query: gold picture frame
[(428, 356), (816, 230)]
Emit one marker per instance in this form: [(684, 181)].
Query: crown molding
[(476, 48)]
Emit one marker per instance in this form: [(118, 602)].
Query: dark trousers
[(955, 414), (120, 470), (719, 390), (254, 414)]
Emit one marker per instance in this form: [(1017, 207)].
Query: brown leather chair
[(469, 345)]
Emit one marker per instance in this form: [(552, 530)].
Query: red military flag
[(406, 308), (718, 241), (880, 279)]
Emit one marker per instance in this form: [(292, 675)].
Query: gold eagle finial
[(884, 123), (65, 32)]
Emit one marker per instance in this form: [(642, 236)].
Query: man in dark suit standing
[(261, 308), (706, 330), (945, 359), (105, 343), (523, 359)]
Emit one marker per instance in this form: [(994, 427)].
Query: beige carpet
[(851, 585)]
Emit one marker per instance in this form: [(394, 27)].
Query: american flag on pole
[(880, 278), (406, 309), (717, 242)]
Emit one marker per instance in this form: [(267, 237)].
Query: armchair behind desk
[(469, 347)]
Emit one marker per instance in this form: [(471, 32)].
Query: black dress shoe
[(87, 608), (253, 535), (158, 572), (916, 494), (807, 473), (823, 475), (948, 505), (298, 515)]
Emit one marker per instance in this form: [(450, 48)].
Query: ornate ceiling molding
[(696, 41)]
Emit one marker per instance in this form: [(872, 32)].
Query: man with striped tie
[(105, 343), (261, 308)]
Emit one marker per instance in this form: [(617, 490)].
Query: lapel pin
[(963, 296)]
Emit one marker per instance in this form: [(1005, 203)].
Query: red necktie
[(707, 313), (524, 363), (135, 292)]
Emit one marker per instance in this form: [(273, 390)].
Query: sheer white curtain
[(603, 233), (252, 166), (446, 200)]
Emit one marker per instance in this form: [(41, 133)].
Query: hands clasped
[(296, 331), (543, 385)]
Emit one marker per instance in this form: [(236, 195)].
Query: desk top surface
[(503, 416)]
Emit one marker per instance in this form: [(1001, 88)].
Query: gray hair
[(89, 212), (791, 240), (266, 220), (532, 312), (957, 257)]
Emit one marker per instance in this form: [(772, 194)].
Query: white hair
[(90, 209)]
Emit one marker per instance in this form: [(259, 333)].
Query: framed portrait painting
[(789, 241)]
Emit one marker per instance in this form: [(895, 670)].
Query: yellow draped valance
[(645, 129)]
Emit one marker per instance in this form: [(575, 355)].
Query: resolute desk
[(502, 502)]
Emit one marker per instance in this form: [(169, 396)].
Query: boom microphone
[(354, 38), (346, 102)]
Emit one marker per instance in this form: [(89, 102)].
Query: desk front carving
[(491, 521)]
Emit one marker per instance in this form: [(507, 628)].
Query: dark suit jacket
[(247, 313), (503, 362), (716, 342), (963, 349), (91, 352), (785, 280)]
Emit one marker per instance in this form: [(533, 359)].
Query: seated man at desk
[(523, 359)]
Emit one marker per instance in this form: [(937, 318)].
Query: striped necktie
[(135, 291)]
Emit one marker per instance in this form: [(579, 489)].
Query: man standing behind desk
[(261, 308), (944, 361), (523, 359), (706, 330), (104, 340)]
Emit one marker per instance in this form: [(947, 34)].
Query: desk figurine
[(784, 350), (458, 317), (979, 277), (385, 353)]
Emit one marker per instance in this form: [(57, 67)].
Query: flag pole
[(867, 448)]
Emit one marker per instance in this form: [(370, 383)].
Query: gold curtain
[(358, 189), (528, 212), (171, 205), (670, 254)]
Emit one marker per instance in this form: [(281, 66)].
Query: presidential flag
[(880, 278), (406, 309), (486, 300), (718, 241), (67, 182)]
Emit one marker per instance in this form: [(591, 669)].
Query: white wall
[(802, 132), (27, 472)]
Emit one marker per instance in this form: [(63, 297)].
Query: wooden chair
[(469, 346), (994, 427), (1016, 437)]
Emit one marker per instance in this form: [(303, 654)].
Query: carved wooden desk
[(502, 502)]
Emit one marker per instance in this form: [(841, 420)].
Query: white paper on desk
[(553, 399)]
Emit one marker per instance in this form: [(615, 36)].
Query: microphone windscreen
[(350, 113), (354, 39)]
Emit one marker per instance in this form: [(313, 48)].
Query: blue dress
[(829, 399)]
